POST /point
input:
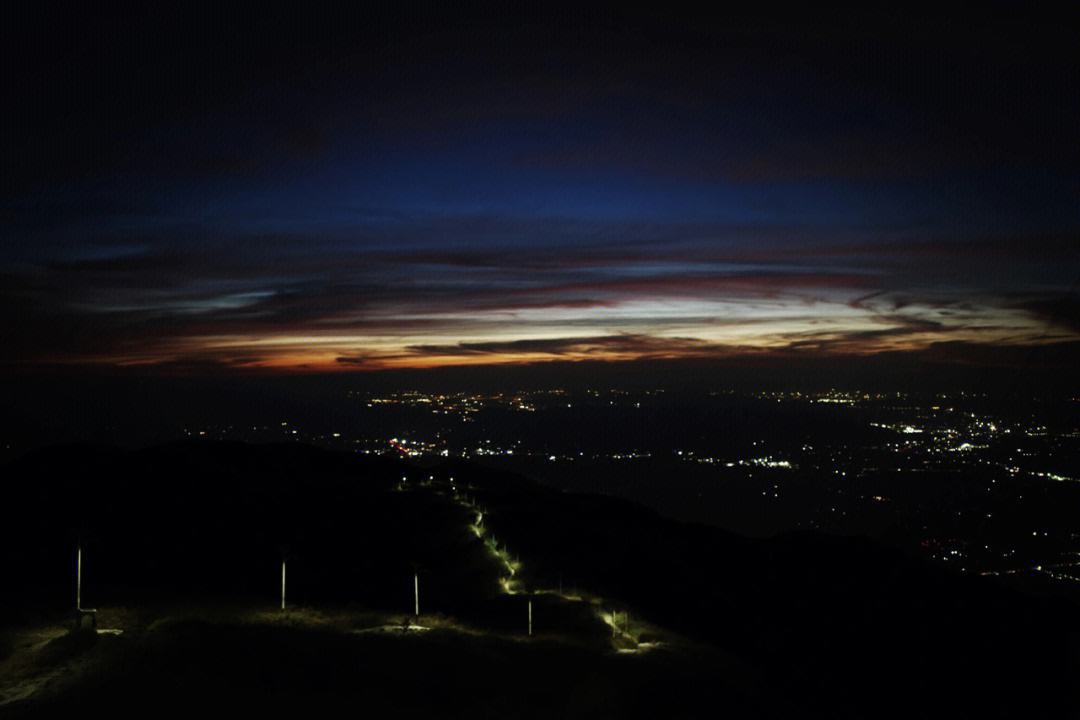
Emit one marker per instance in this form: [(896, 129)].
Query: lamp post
[(78, 577)]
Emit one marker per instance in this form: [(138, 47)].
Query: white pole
[(78, 577), (282, 584), (530, 618), (416, 593)]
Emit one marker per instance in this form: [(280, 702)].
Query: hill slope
[(183, 545)]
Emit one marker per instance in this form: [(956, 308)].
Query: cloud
[(308, 297), (898, 328), (639, 345), (1062, 312)]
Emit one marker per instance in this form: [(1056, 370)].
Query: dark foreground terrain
[(308, 668), (633, 615)]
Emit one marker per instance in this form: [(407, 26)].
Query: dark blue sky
[(415, 187)]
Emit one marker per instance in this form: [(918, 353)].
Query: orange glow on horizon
[(633, 331)]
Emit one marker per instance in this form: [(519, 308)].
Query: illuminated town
[(891, 463)]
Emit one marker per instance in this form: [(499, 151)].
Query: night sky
[(208, 192)]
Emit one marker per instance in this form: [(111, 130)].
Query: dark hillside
[(837, 627)]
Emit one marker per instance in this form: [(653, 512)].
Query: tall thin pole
[(78, 577), (530, 618), (282, 584), (416, 593)]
